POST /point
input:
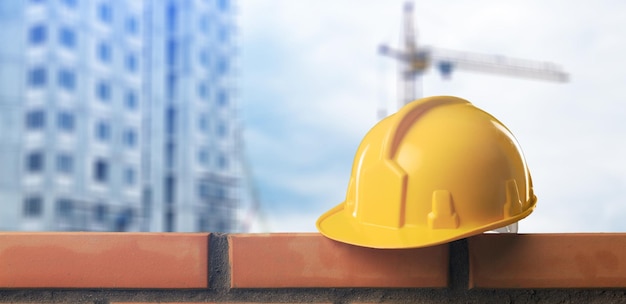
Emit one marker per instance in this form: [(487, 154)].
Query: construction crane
[(415, 61)]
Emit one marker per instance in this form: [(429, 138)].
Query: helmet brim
[(338, 225)]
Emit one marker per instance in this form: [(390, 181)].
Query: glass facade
[(119, 116)]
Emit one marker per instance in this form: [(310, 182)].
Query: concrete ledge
[(297, 268)]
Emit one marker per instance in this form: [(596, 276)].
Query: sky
[(311, 81)]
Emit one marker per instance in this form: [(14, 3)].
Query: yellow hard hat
[(438, 170)]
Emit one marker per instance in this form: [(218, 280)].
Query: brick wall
[(308, 268)]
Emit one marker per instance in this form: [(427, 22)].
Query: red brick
[(548, 261), (311, 260), (103, 260)]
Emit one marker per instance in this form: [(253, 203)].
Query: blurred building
[(118, 115)]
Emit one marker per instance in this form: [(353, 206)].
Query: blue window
[(172, 81), (203, 156), (171, 17), (105, 12), (222, 161), (203, 123), (64, 163), (222, 129), (64, 207), (223, 5), (100, 212), (37, 34), (103, 91), (67, 79), (203, 90), (170, 120), (129, 176), (169, 154), (132, 25), (171, 51), (224, 33), (130, 138), (33, 206), (70, 3), (222, 66), (37, 77), (35, 162), (101, 170), (131, 62), (35, 119), (222, 98), (130, 100), (103, 131), (67, 37), (203, 190), (170, 186), (204, 58), (65, 121), (205, 23), (104, 52)]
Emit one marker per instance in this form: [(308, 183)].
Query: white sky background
[(311, 81)]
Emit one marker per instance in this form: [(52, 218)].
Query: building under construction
[(118, 116)]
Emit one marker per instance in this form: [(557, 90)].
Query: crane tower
[(416, 60)]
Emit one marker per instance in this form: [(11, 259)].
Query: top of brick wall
[(179, 260)]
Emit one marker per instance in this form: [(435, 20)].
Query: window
[(100, 212), (129, 176), (223, 5), (171, 51), (205, 23), (35, 162), (222, 98), (67, 37), (223, 33), (203, 156), (169, 221), (170, 120), (130, 100), (101, 171), (169, 154), (67, 79), (65, 121), (203, 191), (203, 123), (103, 91), (105, 12), (104, 52), (103, 131), (204, 58), (132, 26), (70, 3), (222, 66), (35, 119), (33, 206), (64, 207), (203, 90), (130, 138), (171, 17), (37, 77), (37, 34), (170, 185), (124, 219), (222, 130), (64, 164), (131, 62), (171, 85), (222, 161)]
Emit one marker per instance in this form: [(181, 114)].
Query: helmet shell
[(438, 170)]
